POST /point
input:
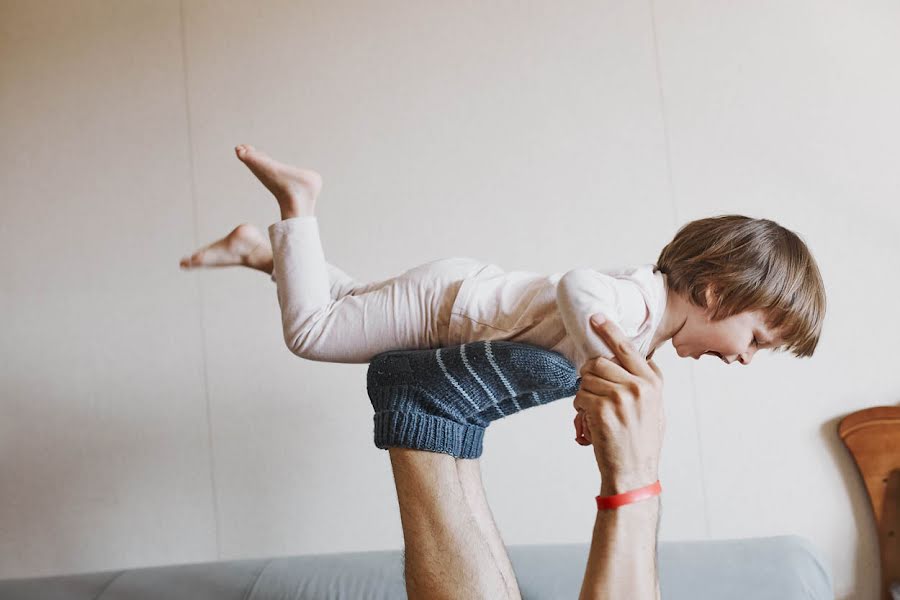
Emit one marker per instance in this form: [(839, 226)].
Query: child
[(725, 286)]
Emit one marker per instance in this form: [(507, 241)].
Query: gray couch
[(776, 568)]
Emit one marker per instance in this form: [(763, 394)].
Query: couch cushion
[(777, 568)]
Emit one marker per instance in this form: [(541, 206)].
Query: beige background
[(151, 416)]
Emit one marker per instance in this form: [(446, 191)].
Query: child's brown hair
[(752, 264)]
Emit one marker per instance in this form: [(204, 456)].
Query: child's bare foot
[(295, 189), (244, 246)]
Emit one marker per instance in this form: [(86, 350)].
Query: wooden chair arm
[(873, 438)]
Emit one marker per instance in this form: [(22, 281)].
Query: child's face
[(736, 338)]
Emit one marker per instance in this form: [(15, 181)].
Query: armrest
[(873, 438)]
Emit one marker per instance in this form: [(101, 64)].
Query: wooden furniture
[(873, 438)]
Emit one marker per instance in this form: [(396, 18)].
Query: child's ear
[(711, 297)]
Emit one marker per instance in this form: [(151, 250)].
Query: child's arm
[(581, 293)]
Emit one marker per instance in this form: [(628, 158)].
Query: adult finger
[(603, 388), (605, 368), (585, 400), (656, 369), (623, 349)]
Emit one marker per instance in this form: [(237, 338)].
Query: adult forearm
[(622, 405), (622, 559)]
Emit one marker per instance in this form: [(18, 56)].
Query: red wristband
[(604, 502)]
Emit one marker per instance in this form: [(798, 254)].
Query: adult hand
[(620, 410)]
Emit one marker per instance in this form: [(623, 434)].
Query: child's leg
[(244, 246), (247, 246), (394, 314), (340, 284)]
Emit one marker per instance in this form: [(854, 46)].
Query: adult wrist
[(619, 483), (629, 497)]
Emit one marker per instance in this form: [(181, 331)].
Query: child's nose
[(746, 357)]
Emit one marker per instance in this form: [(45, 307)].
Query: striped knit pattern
[(442, 400)]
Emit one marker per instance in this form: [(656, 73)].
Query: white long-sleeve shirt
[(553, 311)]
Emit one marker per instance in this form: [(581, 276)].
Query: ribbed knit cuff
[(421, 431)]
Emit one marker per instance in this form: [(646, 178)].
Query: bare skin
[(296, 191), (245, 246), (453, 550)]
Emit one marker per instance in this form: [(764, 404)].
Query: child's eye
[(755, 343)]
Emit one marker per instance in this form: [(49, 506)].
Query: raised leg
[(396, 314), (295, 189), (470, 478), (244, 246), (447, 555), (247, 246), (351, 328)]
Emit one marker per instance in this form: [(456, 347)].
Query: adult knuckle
[(583, 400), (634, 388), (623, 346), (592, 383), (589, 365)]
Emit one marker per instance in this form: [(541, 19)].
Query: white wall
[(151, 416)]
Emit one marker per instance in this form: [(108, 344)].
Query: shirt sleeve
[(581, 293)]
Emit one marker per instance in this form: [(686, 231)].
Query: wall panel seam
[(670, 185), (200, 313)]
